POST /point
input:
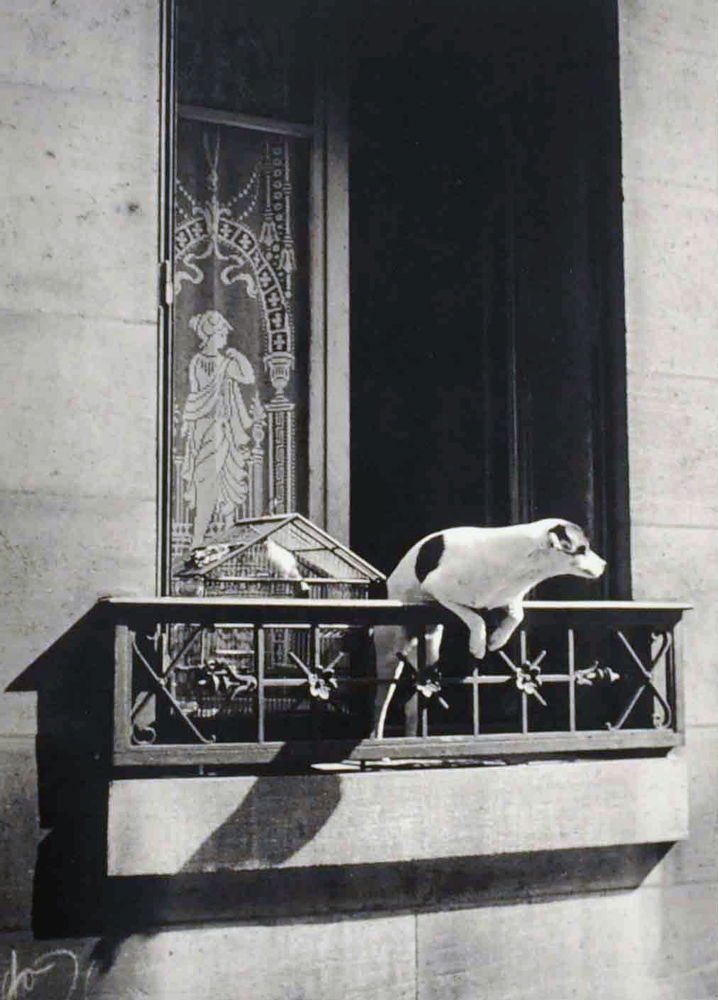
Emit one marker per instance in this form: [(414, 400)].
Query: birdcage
[(214, 674), (282, 555)]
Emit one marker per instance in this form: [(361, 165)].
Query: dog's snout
[(592, 564)]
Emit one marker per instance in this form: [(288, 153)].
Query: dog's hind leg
[(433, 644), (394, 650), (432, 647), (389, 642), (381, 707)]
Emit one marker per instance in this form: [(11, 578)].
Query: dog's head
[(571, 551)]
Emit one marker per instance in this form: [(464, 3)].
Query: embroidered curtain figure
[(216, 424), (240, 320)]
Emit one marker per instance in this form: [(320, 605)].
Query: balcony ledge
[(168, 826)]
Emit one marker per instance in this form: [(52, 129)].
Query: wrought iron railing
[(257, 682)]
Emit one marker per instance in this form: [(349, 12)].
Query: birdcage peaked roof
[(306, 541)]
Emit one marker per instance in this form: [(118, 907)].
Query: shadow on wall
[(288, 894), (271, 824), (73, 681), (73, 896)]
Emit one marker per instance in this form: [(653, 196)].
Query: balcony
[(282, 683)]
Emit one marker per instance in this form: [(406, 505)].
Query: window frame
[(328, 500), (328, 490)]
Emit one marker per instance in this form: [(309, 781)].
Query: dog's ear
[(559, 539)]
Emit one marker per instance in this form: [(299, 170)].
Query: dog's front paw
[(477, 647), (497, 639)]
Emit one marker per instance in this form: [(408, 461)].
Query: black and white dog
[(468, 570)]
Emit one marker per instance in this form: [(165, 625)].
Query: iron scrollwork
[(662, 714)]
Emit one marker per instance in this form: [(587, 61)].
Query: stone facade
[(78, 314)]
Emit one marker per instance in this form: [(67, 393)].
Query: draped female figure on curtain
[(216, 424)]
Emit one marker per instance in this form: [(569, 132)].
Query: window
[(487, 379), (255, 243)]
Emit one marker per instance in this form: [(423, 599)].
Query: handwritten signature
[(20, 982)]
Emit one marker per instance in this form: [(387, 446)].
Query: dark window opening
[(488, 381)]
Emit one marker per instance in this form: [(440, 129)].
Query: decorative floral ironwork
[(322, 680), (588, 675), (220, 677), (527, 676), (427, 682)]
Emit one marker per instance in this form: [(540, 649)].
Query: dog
[(468, 570)]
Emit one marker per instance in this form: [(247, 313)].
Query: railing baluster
[(205, 649), (314, 709), (475, 717), (164, 634), (571, 680), (123, 687), (421, 670), (677, 681), (523, 657), (670, 675), (259, 654)]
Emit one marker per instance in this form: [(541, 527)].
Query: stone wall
[(78, 321), (670, 153), (78, 308)]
